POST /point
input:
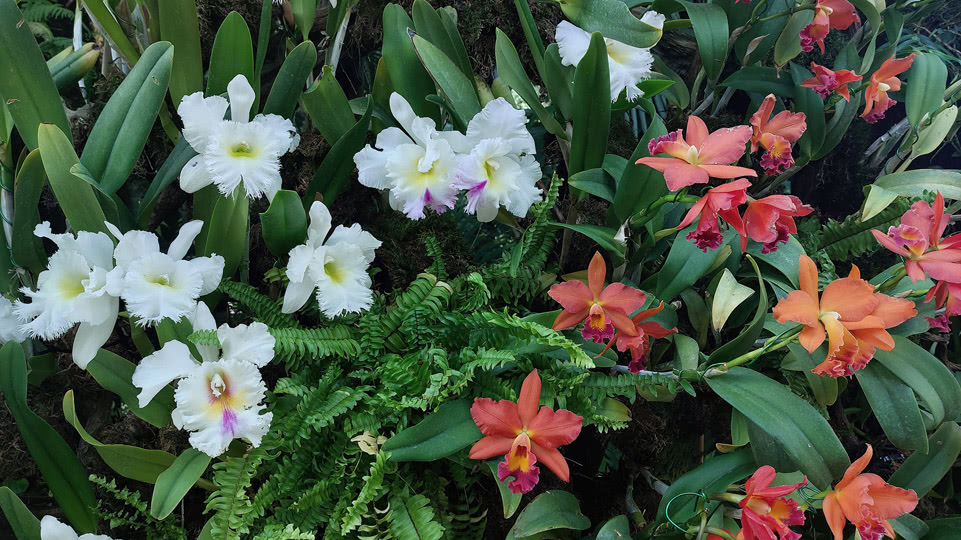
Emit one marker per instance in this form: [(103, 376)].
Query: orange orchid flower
[(884, 80), (826, 81), (890, 312), (640, 345), (721, 201), (948, 296), (524, 434), (775, 135), (698, 155), (765, 510), (918, 238), (770, 220), (867, 501), (828, 14), (601, 308)]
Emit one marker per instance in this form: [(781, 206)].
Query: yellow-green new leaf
[(728, 295)]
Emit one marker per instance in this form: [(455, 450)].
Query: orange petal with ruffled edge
[(842, 345), (890, 501), (759, 120), (529, 399), (551, 428), (852, 299), (834, 515), (622, 298), (490, 446), (553, 459), (787, 124), (496, 418), (799, 307), (572, 295), (893, 311), (892, 67), (808, 276), (596, 274)]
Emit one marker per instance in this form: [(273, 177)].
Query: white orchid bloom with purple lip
[(334, 266), (496, 164), (155, 285), (72, 290), (52, 529), (415, 164), (219, 396), (237, 151)]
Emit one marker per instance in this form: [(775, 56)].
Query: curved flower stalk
[(234, 152), (765, 510), (155, 285), (698, 155), (770, 220), (828, 14), (867, 501), (496, 164), (602, 309), (721, 201), (73, 289), (336, 266), (628, 65), (640, 345), (52, 529), (775, 134), (524, 434), (414, 164), (884, 80), (9, 323), (826, 81), (219, 397)]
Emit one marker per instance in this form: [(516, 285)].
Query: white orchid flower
[(628, 65), (336, 267), (9, 323), (237, 151), (72, 290), (415, 164), (219, 397), (52, 529), (497, 165), (156, 285)]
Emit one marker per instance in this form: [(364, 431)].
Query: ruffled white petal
[(357, 236), (654, 19), (133, 245), (252, 343), (211, 270), (242, 97), (53, 529), (372, 163), (51, 311), (499, 119), (416, 188), (572, 43), (172, 361), (244, 153), (281, 128), (343, 285), (9, 323), (157, 287), (200, 115)]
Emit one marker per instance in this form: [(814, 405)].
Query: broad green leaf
[(613, 19), (907, 526), (767, 450), (685, 264), (803, 433), (101, 11), (761, 79), (785, 259), (604, 236), (762, 35), (911, 184), (549, 511), (678, 94), (616, 528), (533, 37), (179, 26), (943, 528), (120, 134), (931, 380), (921, 472), (870, 10), (226, 232), (639, 185), (304, 12), (333, 175), (453, 84), (115, 374), (926, 81), (291, 80), (712, 476), (127, 461), (594, 181), (825, 388), (511, 71), (76, 197), (25, 84), (788, 44), (745, 340), (697, 313), (328, 108), (65, 476), (931, 135), (808, 101), (169, 171), (284, 224), (176, 481), (428, 24), (837, 127), (73, 66), (592, 113), (408, 77), (509, 500), (448, 19), (440, 434), (27, 249), (894, 406), (22, 522), (559, 81), (710, 29), (232, 54), (727, 296)]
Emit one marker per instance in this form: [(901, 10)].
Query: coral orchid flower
[(720, 201), (828, 14), (884, 80), (947, 296), (765, 510), (918, 238), (524, 434), (775, 135), (698, 155), (867, 501), (771, 219), (846, 301), (601, 308), (890, 311), (640, 345), (826, 81)]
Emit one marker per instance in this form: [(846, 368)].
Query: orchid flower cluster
[(421, 167), (87, 277), (919, 240), (863, 499)]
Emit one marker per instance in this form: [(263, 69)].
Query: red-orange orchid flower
[(918, 239), (884, 80), (601, 308), (524, 434), (698, 155), (765, 510), (826, 81), (720, 201), (828, 14), (948, 296), (867, 501), (775, 135), (770, 220), (640, 345)]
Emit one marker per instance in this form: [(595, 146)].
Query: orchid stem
[(648, 213), (785, 13), (892, 282), (772, 344)]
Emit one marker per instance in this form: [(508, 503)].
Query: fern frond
[(412, 518), (264, 308), (297, 346), (373, 487), (230, 503), (844, 240)]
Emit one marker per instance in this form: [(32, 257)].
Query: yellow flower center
[(71, 288), (884, 87), (242, 150), (162, 279), (335, 272), (692, 155)]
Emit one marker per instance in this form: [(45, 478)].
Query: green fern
[(412, 518), (295, 346), (372, 488), (844, 240), (264, 308), (230, 503), (133, 513)]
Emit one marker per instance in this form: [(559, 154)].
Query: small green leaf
[(710, 29), (685, 264), (604, 236), (115, 374), (760, 79), (825, 388), (926, 81), (284, 224), (428, 24), (808, 101), (613, 19), (511, 71), (27, 249), (837, 127), (76, 197), (453, 84), (291, 79), (333, 175), (169, 171), (232, 54), (328, 107), (438, 435), (592, 113), (911, 184), (176, 481), (714, 475), (226, 232), (509, 500), (639, 185), (594, 181), (22, 522), (921, 472), (616, 528), (549, 511), (74, 66), (788, 44)]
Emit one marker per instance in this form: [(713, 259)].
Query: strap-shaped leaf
[(291, 79), (921, 472), (894, 406), (176, 481), (453, 84), (910, 184), (511, 71), (549, 512), (408, 77), (438, 435), (328, 108), (284, 224), (77, 197), (333, 175), (232, 54), (24, 524), (931, 380), (613, 19), (179, 26), (115, 373), (711, 30), (27, 249), (714, 475), (592, 113), (926, 81)]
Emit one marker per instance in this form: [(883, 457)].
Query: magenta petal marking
[(523, 481), (228, 423)]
